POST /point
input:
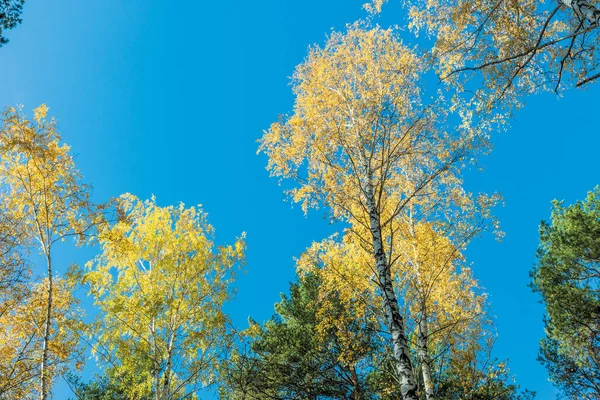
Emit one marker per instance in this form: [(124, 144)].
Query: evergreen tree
[(567, 276)]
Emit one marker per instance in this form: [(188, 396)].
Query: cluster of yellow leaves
[(160, 284), (359, 126), (21, 338), (43, 189), (358, 91), (374, 6), (438, 289)]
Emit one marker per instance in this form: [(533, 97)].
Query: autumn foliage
[(388, 307)]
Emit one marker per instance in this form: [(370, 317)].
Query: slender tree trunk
[(423, 343), (584, 9), (423, 336), (44, 376), (355, 382), (404, 369), (167, 384), (155, 364)]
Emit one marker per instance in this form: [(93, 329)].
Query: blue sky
[(165, 99)]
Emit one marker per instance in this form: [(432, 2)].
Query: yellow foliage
[(365, 142), (359, 126), (160, 284), (519, 46), (428, 274), (43, 189), (21, 338), (43, 196)]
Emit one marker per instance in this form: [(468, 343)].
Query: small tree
[(160, 284)]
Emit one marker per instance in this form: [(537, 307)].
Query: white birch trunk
[(404, 368), (167, 384), (47, 325), (424, 358), (423, 336)]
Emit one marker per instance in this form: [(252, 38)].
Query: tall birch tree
[(365, 142), (42, 190)]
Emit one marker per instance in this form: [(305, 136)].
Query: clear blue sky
[(168, 98)]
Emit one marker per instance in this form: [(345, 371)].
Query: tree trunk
[(155, 363), (584, 9), (424, 357), (356, 383), (167, 379), (408, 388), (47, 325), (423, 336)]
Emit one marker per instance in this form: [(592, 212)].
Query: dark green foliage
[(289, 360), (10, 16), (567, 276)]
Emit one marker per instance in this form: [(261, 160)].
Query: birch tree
[(160, 284), (43, 191), (364, 143)]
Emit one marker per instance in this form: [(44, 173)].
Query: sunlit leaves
[(43, 202), (22, 334), (41, 185), (519, 47), (359, 120), (160, 284)]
